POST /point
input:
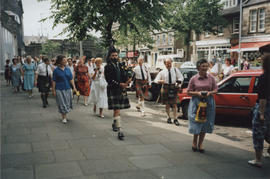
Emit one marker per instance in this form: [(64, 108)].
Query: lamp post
[(240, 36)]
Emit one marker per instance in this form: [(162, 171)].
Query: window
[(158, 40), (170, 39), (261, 25), (253, 20), (220, 30), (229, 3), (236, 85), (164, 38), (236, 25), (206, 34)]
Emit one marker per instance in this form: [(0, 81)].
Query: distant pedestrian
[(201, 118), (227, 68), (98, 95), (118, 81), (171, 79), (43, 80), (7, 72), (261, 113), (28, 73), (83, 80), (142, 83), (16, 74), (62, 78)]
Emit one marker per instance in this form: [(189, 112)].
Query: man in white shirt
[(70, 66), (142, 83), (170, 78)]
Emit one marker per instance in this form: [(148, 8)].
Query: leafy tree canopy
[(49, 47), (82, 16)]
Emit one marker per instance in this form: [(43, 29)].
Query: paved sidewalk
[(36, 145)]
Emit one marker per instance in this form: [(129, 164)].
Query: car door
[(233, 96)]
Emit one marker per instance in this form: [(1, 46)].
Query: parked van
[(176, 61)]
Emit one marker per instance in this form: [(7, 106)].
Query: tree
[(186, 16), (82, 16), (50, 47), (132, 37)]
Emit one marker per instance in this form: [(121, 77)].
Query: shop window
[(236, 25), (253, 20), (261, 25)]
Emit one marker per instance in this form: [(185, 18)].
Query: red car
[(236, 95)]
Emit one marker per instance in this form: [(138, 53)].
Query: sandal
[(255, 163)]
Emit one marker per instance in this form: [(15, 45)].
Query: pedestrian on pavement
[(261, 113), (118, 81), (16, 74), (142, 83), (62, 78), (28, 73), (201, 87), (227, 68), (98, 94), (83, 80), (90, 65), (7, 72), (43, 80), (171, 79)]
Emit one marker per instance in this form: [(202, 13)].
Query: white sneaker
[(143, 114), (64, 121)]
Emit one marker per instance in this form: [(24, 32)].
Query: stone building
[(11, 30)]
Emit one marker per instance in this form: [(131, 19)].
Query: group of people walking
[(106, 87)]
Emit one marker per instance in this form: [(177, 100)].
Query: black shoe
[(194, 149), (201, 150), (44, 106), (121, 136), (169, 121), (114, 128), (176, 122)]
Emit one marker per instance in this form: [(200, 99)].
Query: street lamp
[(240, 35)]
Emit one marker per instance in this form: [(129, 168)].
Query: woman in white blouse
[(98, 95), (227, 68)]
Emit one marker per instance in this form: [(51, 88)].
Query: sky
[(33, 12)]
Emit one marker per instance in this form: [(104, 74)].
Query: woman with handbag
[(261, 114), (98, 94), (83, 80), (201, 111), (170, 78)]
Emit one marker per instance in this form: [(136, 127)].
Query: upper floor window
[(236, 25), (164, 38), (220, 30), (170, 39), (261, 25), (253, 20), (158, 39), (229, 3)]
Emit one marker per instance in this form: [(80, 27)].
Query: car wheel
[(185, 110)]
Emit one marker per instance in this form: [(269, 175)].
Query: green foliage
[(83, 16), (140, 36), (200, 16), (50, 47)]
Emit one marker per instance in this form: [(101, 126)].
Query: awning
[(249, 46)]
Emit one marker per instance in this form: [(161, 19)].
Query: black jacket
[(111, 75)]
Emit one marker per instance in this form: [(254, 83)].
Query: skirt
[(258, 128), (28, 81), (83, 87), (141, 88), (117, 99), (165, 98), (64, 101), (197, 127), (44, 84), (98, 96)]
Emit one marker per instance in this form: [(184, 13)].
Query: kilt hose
[(141, 88), (117, 99), (165, 98)]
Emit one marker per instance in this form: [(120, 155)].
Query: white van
[(176, 61)]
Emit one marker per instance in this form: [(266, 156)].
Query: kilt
[(44, 84), (141, 88), (117, 99), (165, 99)]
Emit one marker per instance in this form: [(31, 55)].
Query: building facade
[(11, 30)]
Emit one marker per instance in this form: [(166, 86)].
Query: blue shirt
[(62, 78)]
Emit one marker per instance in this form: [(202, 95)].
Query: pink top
[(198, 83)]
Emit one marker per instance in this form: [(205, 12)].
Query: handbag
[(103, 83), (201, 110)]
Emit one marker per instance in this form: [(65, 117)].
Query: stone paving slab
[(150, 162), (18, 173)]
